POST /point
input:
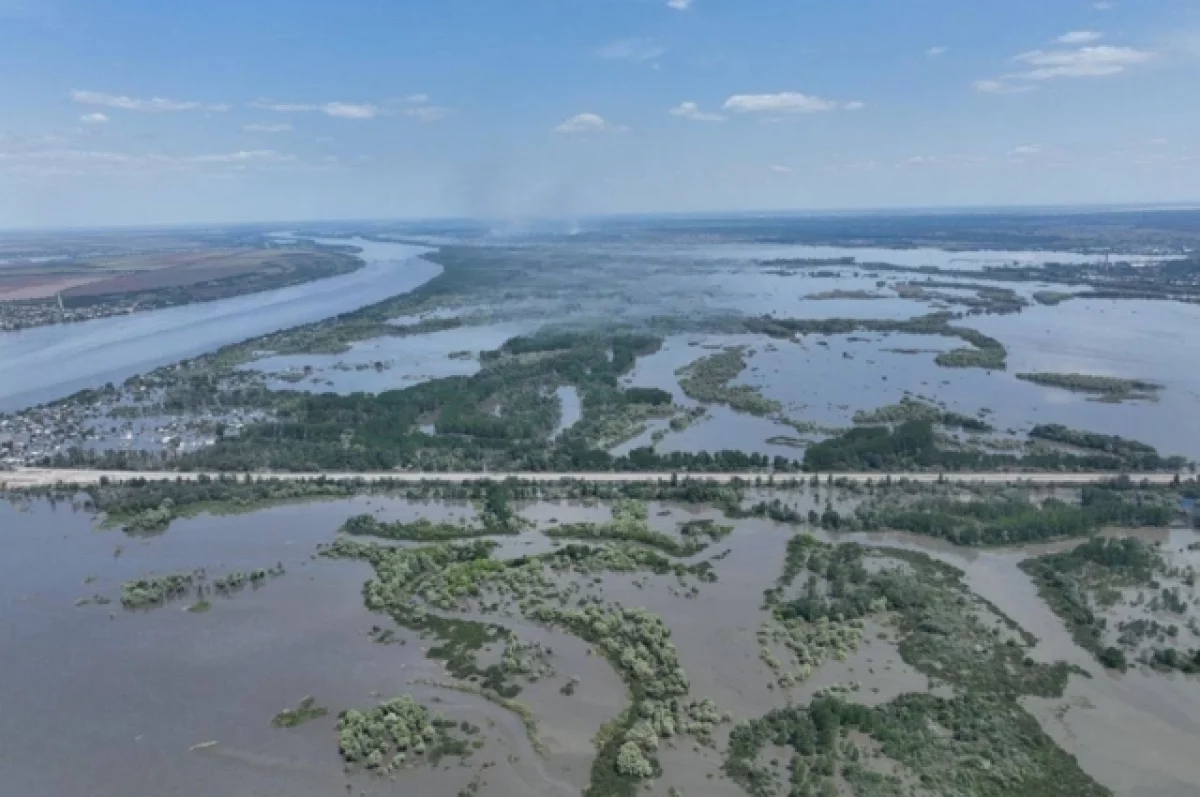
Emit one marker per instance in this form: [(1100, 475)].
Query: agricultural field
[(76, 280)]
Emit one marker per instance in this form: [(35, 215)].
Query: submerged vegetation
[(914, 445), (629, 524), (1132, 454), (473, 607), (984, 352), (1052, 298), (1106, 388), (708, 379), (970, 736), (1010, 520), (420, 530), (496, 517), (979, 742), (940, 623), (397, 734), (155, 591), (1085, 584), (911, 409), (306, 711), (417, 586)]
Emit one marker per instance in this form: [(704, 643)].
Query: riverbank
[(48, 363)]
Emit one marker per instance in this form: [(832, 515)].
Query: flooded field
[(684, 294), (374, 366), (827, 379), (140, 696), (819, 379)]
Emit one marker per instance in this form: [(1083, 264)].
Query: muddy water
[(566, 723), (123, 699), (1136, 733), (98, 701)]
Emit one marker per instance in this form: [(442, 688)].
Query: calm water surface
[(98, 701), (47, 363), (406, 361)]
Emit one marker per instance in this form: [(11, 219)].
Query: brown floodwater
[(1136, 732), (102, 701)]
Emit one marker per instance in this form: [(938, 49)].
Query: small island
[(1104, 388)]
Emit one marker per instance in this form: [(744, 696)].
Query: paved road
[(43, 477)]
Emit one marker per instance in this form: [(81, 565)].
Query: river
[(48, 363)]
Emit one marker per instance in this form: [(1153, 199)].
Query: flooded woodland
[(752, 622), (824, 333), (781, 633)]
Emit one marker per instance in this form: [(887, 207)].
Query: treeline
[(420, 530), (1089, 383), (495, 497), (1067, 581), (1135, 455), (1010, 521), (495, 517), (957, 745), (987, 352), (910, 409), (912, 446), (707, 380), (142, 506), (630, 524)]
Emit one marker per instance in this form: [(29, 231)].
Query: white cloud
[(786, 102), (690, 110), (152, 105), (339, 110), (1159, 142), (1104, 5), (637, 51), (1080, 37), (417, 99), (1000, 87), (427, 113), (258, 127), (93, 118), (588, 123), (680, 5), (72, 162), (934, 52), (1026, 149), (777, 169), (919, 160), (349, 110), (241, 156), (1099, 61), (1094, 61)]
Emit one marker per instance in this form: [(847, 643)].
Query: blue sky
[(142, 112)]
